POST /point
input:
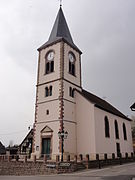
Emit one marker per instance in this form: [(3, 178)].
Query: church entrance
[(46, 146)]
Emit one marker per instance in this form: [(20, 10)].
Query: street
[(121, 172)]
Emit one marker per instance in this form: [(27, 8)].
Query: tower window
[(49, 65), (71, 92), (47, 112), (48, 91), (107, 130), (116, 129), (71, 57), (52, 66), (124, 132)]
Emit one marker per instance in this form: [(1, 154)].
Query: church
[(68, 119)]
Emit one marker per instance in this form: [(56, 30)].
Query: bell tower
[(59, 75)]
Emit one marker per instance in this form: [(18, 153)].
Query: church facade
[(62, 105)]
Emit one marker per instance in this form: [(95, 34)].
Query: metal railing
[(67, 157)]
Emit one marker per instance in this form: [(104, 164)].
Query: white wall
[(108, 145), (85, 125), (70, 142)]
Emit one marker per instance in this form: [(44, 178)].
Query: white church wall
[(69, 111), (70, 127), (108, 145), (70, 142), (53, 111), (85, 126), (56, 74)]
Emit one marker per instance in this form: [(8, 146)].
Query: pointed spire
[(60, 31), (60, 28)]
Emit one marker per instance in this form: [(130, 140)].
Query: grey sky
[(103, 29)]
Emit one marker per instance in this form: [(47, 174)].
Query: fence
[(13, 165)]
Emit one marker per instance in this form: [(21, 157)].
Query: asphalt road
[(123, 172)]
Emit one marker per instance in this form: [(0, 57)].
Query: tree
[(11, 143)]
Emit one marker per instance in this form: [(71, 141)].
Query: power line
[(11, 133)]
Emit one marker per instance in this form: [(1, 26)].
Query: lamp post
[(62, 135)]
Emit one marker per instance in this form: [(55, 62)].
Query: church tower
[(59, 74)]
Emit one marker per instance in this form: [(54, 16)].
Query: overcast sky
[(103, 29)]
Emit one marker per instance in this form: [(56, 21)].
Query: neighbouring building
[(133, 126), (133, 107), (93, 125), (2, 149), (12, 150), (25, 148)]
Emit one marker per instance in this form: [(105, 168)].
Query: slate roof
[(60, 31), (2, 149), (133, 107), (28, 136), (102, 104)]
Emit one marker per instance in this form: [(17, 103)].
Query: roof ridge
[(102, 104)]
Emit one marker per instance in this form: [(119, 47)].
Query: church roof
[(60, 31), (102, 104), (28, 136), (2, 149)]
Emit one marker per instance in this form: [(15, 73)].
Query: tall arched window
[(107, 130), (49, 65), (71, 91), (71, 57), (50, 91), (46, 92), (124, 132), (116, 129)]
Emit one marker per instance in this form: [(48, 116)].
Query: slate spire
[(60, 28), (60, 31)]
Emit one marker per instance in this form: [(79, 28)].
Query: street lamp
[(133, 107), (62, 135)]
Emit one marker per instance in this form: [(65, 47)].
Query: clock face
[(50, 56), (71, 57)]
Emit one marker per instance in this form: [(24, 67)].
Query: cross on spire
[(60, 3)]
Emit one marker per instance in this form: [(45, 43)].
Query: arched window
[(46, 92), (71, 92), (71, 63), (107, 130), (52, 66), (47, 112), (124, 132), (50, 91), (116, 129), (49, 65)]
